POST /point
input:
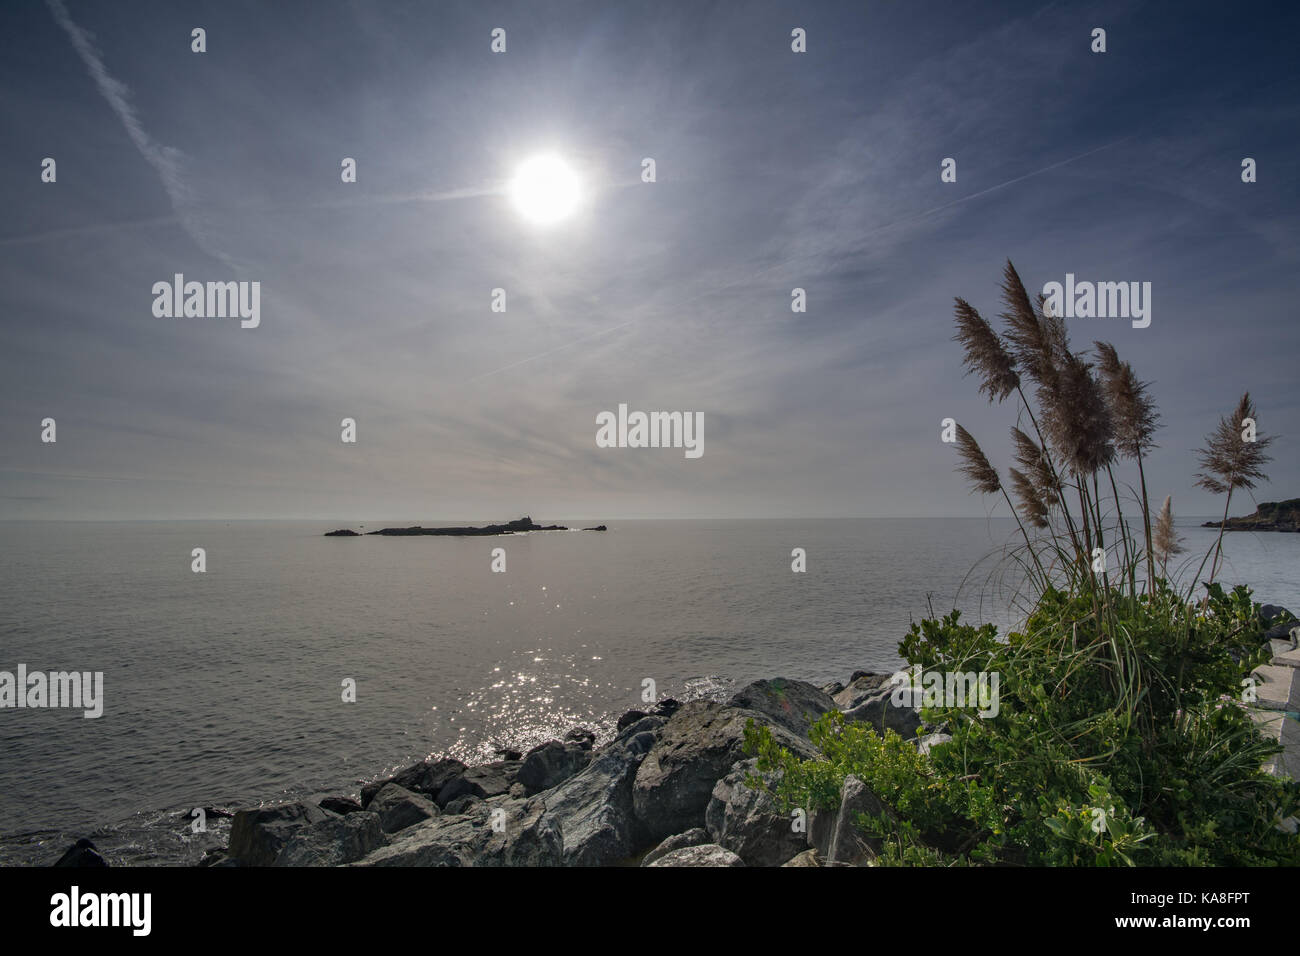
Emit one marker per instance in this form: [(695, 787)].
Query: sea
[(230, 688)]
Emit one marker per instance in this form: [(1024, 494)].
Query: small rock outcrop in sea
[(1268, 516), (670, 789), (517, 526)]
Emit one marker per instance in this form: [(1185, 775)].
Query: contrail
[(166, 160), (947, 205)]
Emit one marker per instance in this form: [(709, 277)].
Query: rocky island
[(1269, 516), (510, 527)]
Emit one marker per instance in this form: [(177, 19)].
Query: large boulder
[(709, 854), (695, 749), (497, 832), (426, 777), (551, 763), (747, 821), (340, 805), (806, 858), (863, 684), (258, 836), (582, 736), (1272, 614), (791, 704), (694, 837), (333, 842), (399, 808), (489, 780), (879, 710), (848, 844), (593, 808)]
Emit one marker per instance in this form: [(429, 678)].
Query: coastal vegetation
[(1124, 731)]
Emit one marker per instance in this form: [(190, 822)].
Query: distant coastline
[(519, 525), (1269, 516)]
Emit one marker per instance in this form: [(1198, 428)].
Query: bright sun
[(545, 190)]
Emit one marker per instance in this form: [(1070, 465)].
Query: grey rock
[(489, 780), (806, 858), (862, 686), (791, 704), (526, 837), (552, 763), (709, 854), (340, 805), (1272, 614), (629, 717), (593, 808), (334, 842), (399, 808), (258, 836), (427, 777), (584, 738), (694, 837), (461, 804), (878, 710), (849, 845), (821, 828), (747, 822), (924, 744), (81, 854), (1286, 631), (695, 749), (832, 688)]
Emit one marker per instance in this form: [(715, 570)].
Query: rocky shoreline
[(671, 788), (1268, 516), (668, 790)]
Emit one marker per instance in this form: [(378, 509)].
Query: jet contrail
[(166, 160)]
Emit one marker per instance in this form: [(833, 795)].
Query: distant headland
[(510, 527), (1269, 516)]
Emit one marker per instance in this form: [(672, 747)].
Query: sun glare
[(545, 190)]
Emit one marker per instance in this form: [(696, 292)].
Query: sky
[(774, 170)]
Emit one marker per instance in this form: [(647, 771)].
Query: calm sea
[(225, 688)]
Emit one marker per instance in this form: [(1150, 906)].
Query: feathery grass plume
[(1228, 460), (1033, 342), (1132, 408), (986, 354), (1031, 505), (1166, 540), (1053, 325), (976, 467), (1078, 421), (1031, 458)]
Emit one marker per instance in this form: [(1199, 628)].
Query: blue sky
[(774, 170)]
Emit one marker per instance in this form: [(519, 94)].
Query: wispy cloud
[(167, 161)]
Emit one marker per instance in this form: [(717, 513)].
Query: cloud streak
[(167, 161)]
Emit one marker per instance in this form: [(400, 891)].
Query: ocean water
[(224, 689)]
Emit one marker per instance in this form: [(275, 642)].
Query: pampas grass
[(1088, 418)]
